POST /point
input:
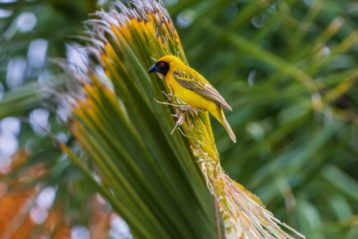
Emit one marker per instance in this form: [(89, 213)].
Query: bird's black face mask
[(161, 67)]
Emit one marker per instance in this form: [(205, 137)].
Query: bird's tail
[(227, 127)]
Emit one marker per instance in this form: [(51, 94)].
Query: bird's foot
[(169, 95), (191, 109)]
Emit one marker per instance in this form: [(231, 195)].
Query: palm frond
[(126, 133)]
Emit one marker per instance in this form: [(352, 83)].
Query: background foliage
[(288, 68)]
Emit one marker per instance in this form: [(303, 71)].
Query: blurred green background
[(288, 68)]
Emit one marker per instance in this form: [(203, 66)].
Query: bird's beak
[(153, 68)]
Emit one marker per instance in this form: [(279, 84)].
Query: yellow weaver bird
[(191, 87)]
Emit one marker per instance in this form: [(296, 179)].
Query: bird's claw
[(182, 110), (192, 109), (168, 95)]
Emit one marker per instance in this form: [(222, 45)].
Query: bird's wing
[(202, 87)]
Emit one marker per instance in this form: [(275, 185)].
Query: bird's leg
[(169, 95), (192, 109), (181, 110)]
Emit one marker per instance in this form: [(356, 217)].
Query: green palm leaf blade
[(20, 101)]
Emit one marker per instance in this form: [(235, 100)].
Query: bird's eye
[(161, 64)]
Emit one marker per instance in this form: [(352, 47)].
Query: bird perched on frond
[(191, 87)]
